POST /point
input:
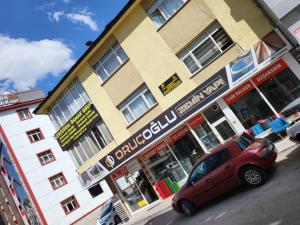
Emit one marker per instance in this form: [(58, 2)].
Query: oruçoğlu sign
[(227, 78)]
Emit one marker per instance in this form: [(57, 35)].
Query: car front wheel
[(188, 208), (253, 176)]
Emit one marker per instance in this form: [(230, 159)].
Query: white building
[(49, 174)]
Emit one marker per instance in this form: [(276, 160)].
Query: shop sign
[(295, 30), (119, 173), (196, 120), (269, 72), (153, 151), (238, 92), (78, 125), (6, 100), (260, 55), (180, 133), (170, 84)]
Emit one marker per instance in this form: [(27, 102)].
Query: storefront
[(258, 100), (265, 96), (252, 90)]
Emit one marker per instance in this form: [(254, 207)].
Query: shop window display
[(251, 108), (186, 148), (162, 164), (206, 135), (282, 89)]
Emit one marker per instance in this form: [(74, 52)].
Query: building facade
[(52, 192), (167, 81)]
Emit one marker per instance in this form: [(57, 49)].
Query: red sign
[(196, 120), (177, 135), (269, 72), (238, 92), (153, 151), (120, 173)]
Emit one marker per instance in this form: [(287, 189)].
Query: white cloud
[(25, 62), (83, 17)]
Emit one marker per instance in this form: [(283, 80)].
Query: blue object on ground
[(257, 129), (279, 124)]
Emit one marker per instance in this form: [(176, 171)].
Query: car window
[(217, 159), (106, 210), (199, 172), (244, 142)]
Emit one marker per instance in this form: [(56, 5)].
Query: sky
[(41, 39)]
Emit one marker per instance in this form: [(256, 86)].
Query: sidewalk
[(155, 209), (162, 206)]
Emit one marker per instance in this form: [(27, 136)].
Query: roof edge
[(107, 28)]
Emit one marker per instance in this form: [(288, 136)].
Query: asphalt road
[(275, 203)]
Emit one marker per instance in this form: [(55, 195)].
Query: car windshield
[(107, 208), (244, 142)]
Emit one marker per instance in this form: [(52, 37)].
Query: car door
[(199, 184), (222, 172)]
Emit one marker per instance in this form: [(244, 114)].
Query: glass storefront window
[(206, 135), (185, 147), (162, 164), (282, 89), (251, 108)]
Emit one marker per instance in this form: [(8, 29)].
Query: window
[(205, 48), (111, 61), (217, 159), (46, 157), (199, 172), (24, 114), (137, 104), (162, 10), (282, 90), (58, 181), (68, 104), (35, 135), (244, 143), (95, 190), (91, 143), (70, 204)]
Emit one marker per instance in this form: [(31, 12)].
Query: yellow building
[(164, 83)]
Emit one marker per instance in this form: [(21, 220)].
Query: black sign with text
[(170, 84)]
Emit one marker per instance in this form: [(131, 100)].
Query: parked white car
[(108, 215), (294, 130)]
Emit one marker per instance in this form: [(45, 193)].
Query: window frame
[(45, 163), (65, 202), (111, 51), (141, 94), (209, 36), (22, 110), (32, 140), (156, 7), (53, 185), (57, 120)]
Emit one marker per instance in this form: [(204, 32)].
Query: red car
[(241, 160)]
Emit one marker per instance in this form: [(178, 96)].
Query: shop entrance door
[(218, 122), (134, 187)]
